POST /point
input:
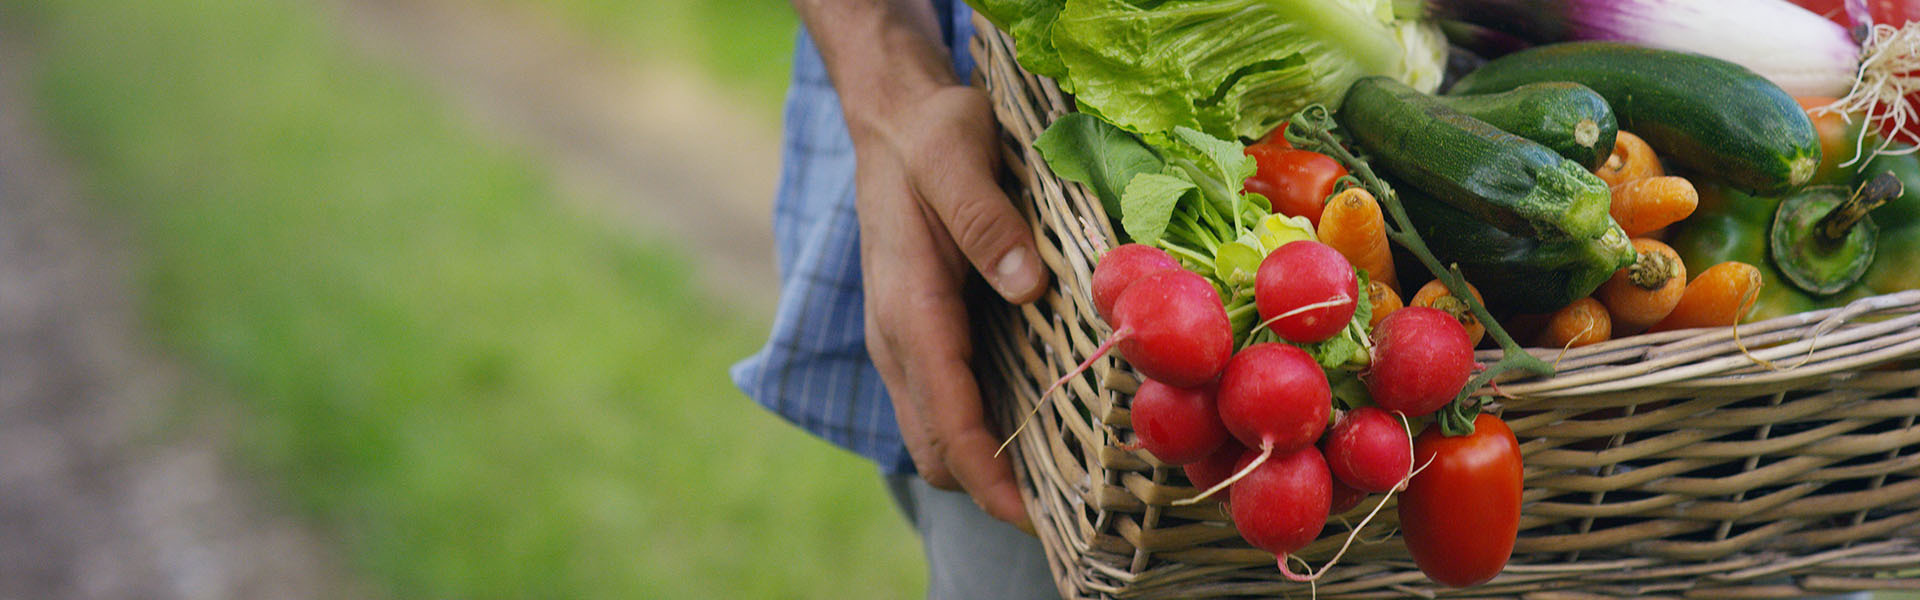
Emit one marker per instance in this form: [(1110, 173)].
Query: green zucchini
[(1569, 118), (1511, 183), (1707, 114), (1515, 273)]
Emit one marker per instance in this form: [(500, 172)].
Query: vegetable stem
[(1312, 128), (1186, 253), (1871, 195)]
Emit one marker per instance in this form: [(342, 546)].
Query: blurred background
[(404, 298)]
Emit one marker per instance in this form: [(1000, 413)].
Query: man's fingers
[(895, 230), (915, 431), (955, 174), (954, 408), (988, 478)]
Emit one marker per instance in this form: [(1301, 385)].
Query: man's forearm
[(879, 54)]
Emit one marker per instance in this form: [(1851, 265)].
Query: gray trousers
[(971, 556)]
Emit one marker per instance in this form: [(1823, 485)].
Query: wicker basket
[(1776, 464)]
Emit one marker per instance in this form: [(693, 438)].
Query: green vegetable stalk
[(1312, 129), (1183, 195), (1897, 263), (1823, 239)]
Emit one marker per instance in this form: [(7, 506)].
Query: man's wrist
[(881, 54)]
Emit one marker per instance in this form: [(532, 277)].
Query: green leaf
[(1231, 68), (1276, 230), (1147, 205), (1228, 158), (1348, 390), (1083, 148), (1236, 262), (1030, 22), (1363, 311)]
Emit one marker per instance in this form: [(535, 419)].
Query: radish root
[(1570, 343), (1351, 535), (1266, 451), (1105, 347), (1742, 346), (1328, 303), (1355, 532), (1889, 71)]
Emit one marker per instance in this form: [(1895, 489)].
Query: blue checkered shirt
[(814, 370)]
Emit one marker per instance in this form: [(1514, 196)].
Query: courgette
[(1568, 118), (1516, 185), (1516, 273), (1707, 114)]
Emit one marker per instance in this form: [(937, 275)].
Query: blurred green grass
[(743, 44), (477, 392)]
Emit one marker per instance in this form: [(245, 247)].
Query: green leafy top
[(1230, 68)]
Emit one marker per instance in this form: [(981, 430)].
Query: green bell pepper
[(1904, 210), (1897, 266), (1731, 225)]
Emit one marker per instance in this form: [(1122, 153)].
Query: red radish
[(1172, 327), (1344, 497), (1216, 467), (1274, 396), (1369, 449), (1306, 291), (1421, 359), (1122, 266), (1281, 505), (1178, 425), (1274, 399)]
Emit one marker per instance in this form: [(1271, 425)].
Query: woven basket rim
[(1813, 390)]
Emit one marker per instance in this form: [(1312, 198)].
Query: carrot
[(1718, 297), (1435, 295), (1643, 294), (1648, 204), (1352, 223), (1632, 159), (1383, 298), (1579, 324)]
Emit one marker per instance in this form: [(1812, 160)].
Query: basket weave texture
[(1778, 460)]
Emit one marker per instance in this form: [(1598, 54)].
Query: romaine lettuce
[(1231, 68)]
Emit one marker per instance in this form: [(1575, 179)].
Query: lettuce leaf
[(1030, 22), (1148, 203), (1084, 149), (1230, 68)]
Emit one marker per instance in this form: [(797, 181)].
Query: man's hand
[(931, 213)]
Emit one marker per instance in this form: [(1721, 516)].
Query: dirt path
[(654, 148), (105, 491)]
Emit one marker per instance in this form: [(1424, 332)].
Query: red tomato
[(1296, 181), (1906, 135), (1460, 516), (1890, 12), (1278, 137), (1883, 12)]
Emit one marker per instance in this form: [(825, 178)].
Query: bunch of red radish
[(1257, 419)]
